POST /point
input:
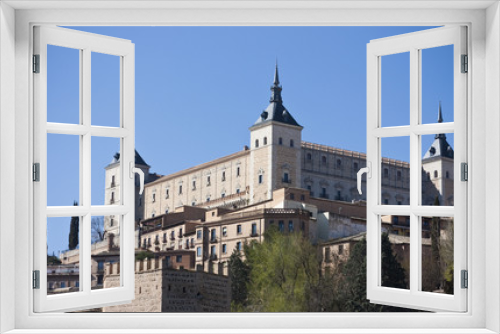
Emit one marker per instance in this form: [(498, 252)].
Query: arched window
[(309, 156), (323, 159), (280, 141), (398, 175), (339, 163), (291, 142), (265, 140), (256, 143), (386, 172), (355, 166), (435, 174)]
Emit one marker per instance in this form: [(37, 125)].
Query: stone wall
[(161, 289)]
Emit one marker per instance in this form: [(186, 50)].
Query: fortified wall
[(159, 288)]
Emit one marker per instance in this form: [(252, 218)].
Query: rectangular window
[(178, 258), (254, 229), (198, 251), (416, 55), (100, 126), (260, 179), (224, 248), (180, 189), (238, 246), (208, 181), (194, 185), (290, 226), (238, 229), (198, 234), (237, 171), (224, 231), (281, 226)]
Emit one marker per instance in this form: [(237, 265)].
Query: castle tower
[(112, 191), (437, 166), (275, 142)]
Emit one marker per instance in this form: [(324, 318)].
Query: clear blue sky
[(192, 82)]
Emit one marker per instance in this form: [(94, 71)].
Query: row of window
[(213, 250), (213, 232), (193, 185), (324, 161), (280, 142)]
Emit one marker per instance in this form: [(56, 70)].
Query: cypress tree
[(73, 231)]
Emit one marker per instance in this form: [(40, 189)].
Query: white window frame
[(85, 43), (413, 43), (483, 19)]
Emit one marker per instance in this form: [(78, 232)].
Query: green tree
[(352, 283), (73, 231), (284, 275), (239, 273)]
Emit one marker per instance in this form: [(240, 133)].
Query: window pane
[(437, 169), (395, 171), (105, 251), (437, 84), (63, 255), (395, 248), (105, 90), (106, 171), (63, 85), (437, 254), (63, 170), (395, 90)]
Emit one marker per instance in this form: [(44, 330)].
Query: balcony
[(254, 234), (213, 257), (179, 235), (172, 237), (286, 180), (324, 195), (213, 240)]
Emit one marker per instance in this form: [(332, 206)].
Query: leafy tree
[(52, 259), (239, 273), (284, 273), (352, 284), (143, 255), (73, 231)]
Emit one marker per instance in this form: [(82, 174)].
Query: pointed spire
[(276, 88), (276, 75), (440, 114), (440, 120)]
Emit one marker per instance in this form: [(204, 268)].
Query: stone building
[(62, 278), (158, 288), (277, 157)]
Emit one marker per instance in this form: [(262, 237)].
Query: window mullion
[(85, 167), (414, 169)]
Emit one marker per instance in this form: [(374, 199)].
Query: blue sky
[(199, 89)]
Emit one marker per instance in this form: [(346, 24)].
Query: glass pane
[(395, 89), (105, 90), (395, 171), (437, 84), (63, 255), (395, 247), (437, 254), (105, 251), (63, 85), (106, 171), (437, 169), (63, 170)]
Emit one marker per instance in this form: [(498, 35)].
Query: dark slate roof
[(138, 159), (440, 147), (276, 111)]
